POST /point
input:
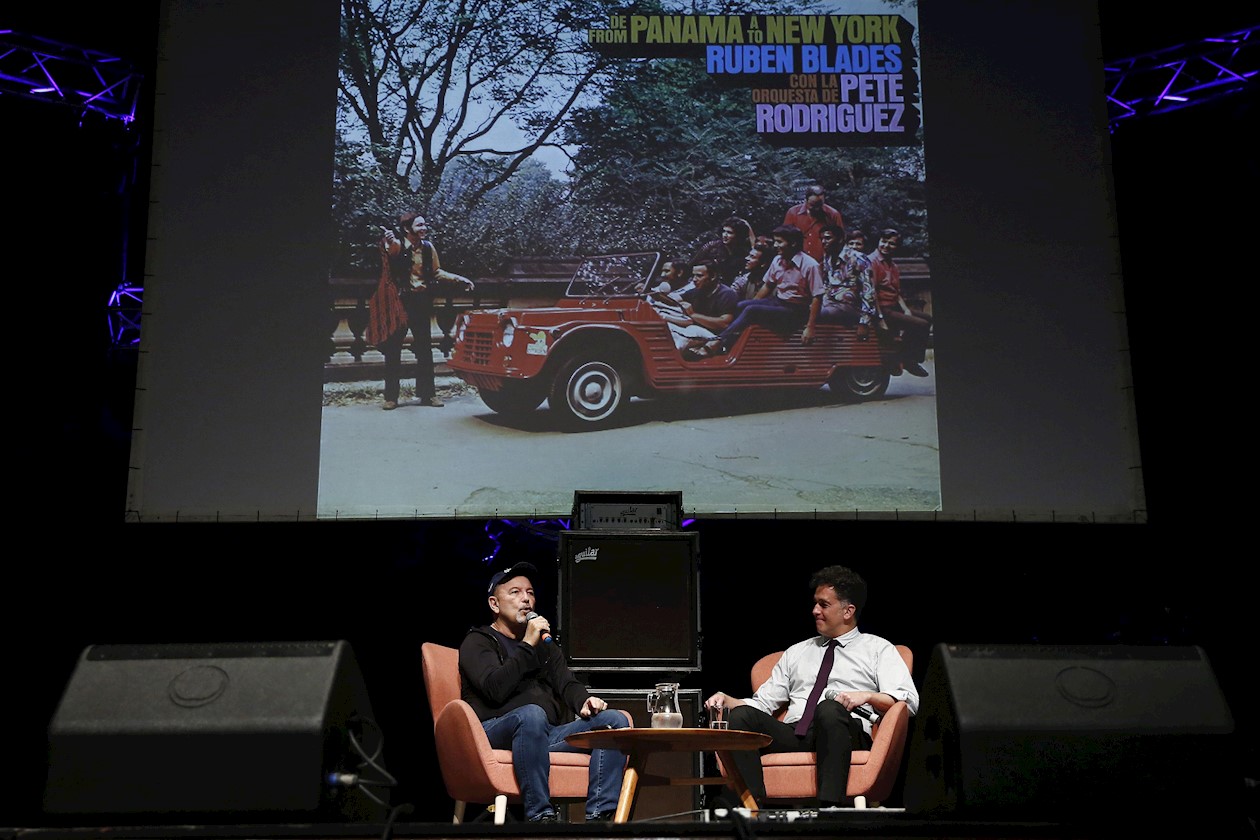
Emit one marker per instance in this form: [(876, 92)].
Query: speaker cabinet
[(662, 800), (1068, 733), (208, 729), (630, 601)]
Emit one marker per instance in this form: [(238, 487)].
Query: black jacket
[(496, 681)]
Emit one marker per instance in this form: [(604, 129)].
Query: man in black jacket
[(528, 700)]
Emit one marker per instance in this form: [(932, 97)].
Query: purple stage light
[(50, 71), (1181, 76), (124, 309)]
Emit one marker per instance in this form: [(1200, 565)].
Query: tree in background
[(426, 84), (444, 103), (527, 215), (669, 154), (439, 93)]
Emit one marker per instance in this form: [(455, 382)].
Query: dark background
[(77, 575)]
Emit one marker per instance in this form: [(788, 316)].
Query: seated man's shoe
[(602, 816), (546, 817), (915, 369), (389, 405), (724, 800), (895, 370), (713, 347)]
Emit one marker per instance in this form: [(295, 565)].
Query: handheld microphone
[(860, 711), (530, 616)]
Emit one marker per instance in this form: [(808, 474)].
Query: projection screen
[(288, 143)]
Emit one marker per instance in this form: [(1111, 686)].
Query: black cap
[(510, 572)]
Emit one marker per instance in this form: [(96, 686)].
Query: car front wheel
[(588, 393)]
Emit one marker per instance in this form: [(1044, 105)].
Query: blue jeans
[(527, 733), (770, 311)]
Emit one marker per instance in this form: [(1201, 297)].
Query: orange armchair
[(872, 773), (471, 770)]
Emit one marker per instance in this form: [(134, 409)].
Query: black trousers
[(834, 734), (419, 308), (915, 329)]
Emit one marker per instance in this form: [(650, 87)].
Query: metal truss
[(1177, 77), (91, 82), (125, 304), (49, 71)]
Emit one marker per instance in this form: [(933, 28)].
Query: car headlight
[(509, 331)]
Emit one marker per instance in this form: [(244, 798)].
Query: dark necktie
[(824, 671)]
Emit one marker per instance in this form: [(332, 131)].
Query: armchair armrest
[(464, 753), (888, 748)]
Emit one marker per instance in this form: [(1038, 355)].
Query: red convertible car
[(605, 342)]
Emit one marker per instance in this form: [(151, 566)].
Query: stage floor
[(885, 825)]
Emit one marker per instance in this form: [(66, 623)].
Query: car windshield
[(614, 274)]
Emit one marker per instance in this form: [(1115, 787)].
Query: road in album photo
[(880, 455)]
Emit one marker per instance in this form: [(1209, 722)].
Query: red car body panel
[(613, 346)]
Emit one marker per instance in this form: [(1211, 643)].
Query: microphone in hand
[(860, 711), (546, 636)]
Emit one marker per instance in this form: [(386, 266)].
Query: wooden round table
[(639, 745)]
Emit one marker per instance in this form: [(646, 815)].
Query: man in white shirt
[(864, 673)]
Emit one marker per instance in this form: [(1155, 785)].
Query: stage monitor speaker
[(630, 601), (662, 800), (213, 728), (1068, 734)]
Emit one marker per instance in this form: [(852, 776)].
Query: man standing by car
[(528, 700), (410, 275)]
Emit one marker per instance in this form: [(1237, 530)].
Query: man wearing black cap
[(528, 700)]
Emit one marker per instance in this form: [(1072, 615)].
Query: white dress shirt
[(863, 662)]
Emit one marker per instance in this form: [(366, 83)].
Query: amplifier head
[(604, 510)]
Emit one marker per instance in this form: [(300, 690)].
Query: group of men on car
[(808, 271)]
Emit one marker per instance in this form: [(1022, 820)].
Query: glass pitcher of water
[(663, 704)]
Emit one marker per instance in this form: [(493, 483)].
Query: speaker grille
[(630, 601), (1056, 733), (208, 729)]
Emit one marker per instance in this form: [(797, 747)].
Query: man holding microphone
[(516, 680)]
